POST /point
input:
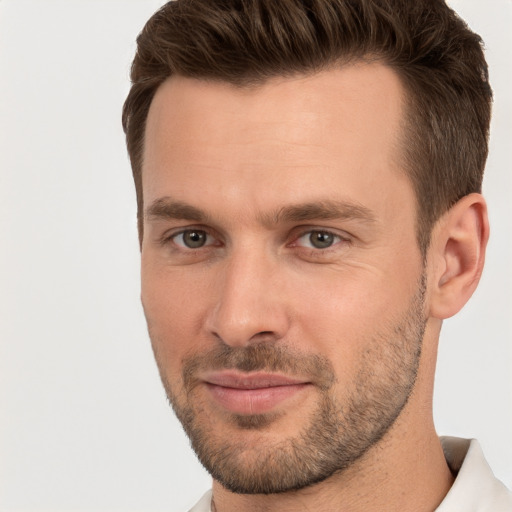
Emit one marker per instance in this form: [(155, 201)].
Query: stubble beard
[(332, 438)]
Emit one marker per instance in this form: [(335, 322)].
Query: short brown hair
[(245, 42)]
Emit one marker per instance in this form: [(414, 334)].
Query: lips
[(253, 393)]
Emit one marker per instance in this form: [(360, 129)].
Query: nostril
[(263, 336)]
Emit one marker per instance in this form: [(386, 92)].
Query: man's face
[(281, 279)]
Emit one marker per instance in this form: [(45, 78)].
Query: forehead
[(334, 132)]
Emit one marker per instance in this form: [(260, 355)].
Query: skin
[(240, 156)]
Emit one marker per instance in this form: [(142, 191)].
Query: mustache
[(269, 357)]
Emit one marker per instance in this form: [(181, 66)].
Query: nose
[(250, 304)]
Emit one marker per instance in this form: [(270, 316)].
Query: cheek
[(343, 316), (172, 308)]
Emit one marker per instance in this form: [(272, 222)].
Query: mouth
[(252, 393)]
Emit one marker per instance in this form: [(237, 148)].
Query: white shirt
[(475, 489)]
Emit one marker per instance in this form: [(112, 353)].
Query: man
[(308, 178)]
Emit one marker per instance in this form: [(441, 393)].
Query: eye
[(318, 239), (192, 238)]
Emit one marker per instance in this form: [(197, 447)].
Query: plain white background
[(84, 425)]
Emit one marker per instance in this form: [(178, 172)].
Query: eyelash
[(337, 239), (168, 238)]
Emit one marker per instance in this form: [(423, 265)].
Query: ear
[(457, 254)]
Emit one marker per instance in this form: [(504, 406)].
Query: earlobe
[(457, 254)]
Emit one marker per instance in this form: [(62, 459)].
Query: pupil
[(194, 239), (321, 240)]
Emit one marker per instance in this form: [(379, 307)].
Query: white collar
[(475, 489)]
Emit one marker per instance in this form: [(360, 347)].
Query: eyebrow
[(322, 210), (167, 208)]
